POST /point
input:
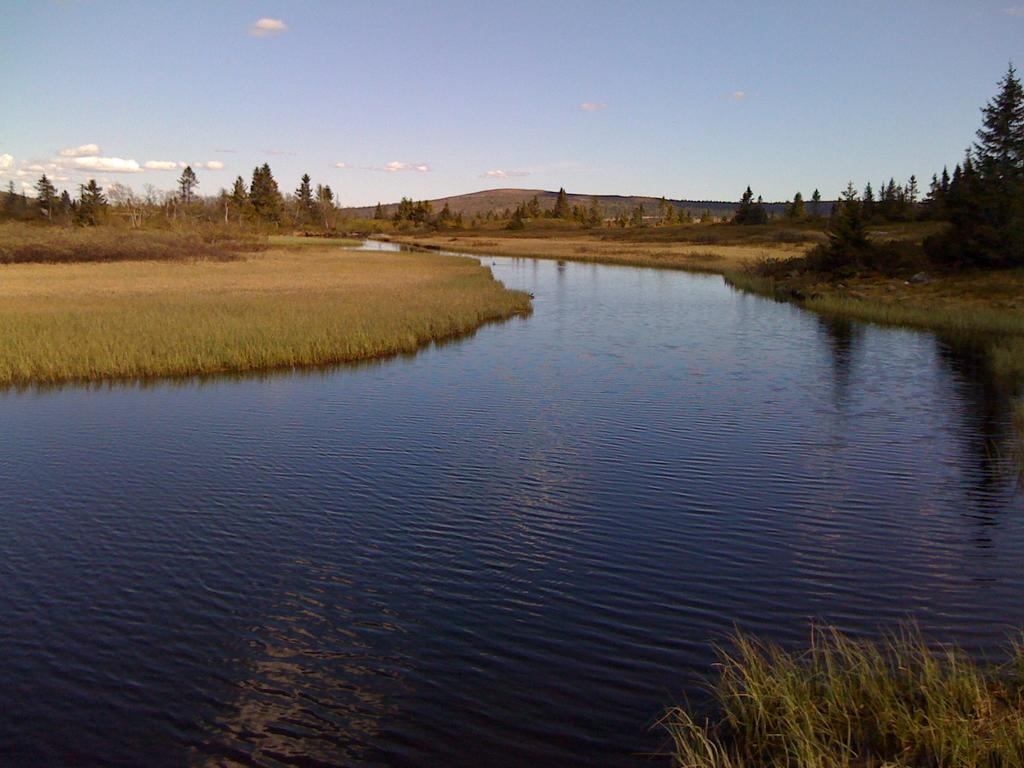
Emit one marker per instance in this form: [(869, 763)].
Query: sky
[(384, 99)]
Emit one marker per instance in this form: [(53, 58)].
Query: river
[(512, 549)]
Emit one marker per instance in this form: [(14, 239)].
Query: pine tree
[(750, 212), (847, 233), (239, 200), (985, 199), (91, 204), (595, 216), (516, 222), (304, 206), (533, 209), (325, 202), (378, 212), (666, 213), (816, 204), (796, 209), (264, 195), (187, 183), (46, 196), (868, 202), (561, 209)]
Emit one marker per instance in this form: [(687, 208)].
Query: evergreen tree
[(187, 183), (517, 222), (595, 216), (985, 199), (847, 233), (533, 209), (816, 204), (239, 200), (868, 202), (264, 195), (666, 212), (325, 202), (67, 205), (637, 217), (561, 209), (91, 204), (748, 211), (378, 212), (796, 209), (304, 205), (46, 196)]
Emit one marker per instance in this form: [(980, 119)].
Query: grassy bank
[(278, 308), (597, 248), (848, 703)]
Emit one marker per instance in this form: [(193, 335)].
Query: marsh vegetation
[(278, 308)]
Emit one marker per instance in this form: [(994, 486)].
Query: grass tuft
[(845, 703)]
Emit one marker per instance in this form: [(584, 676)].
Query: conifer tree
[(264, 195), (595, 216), (187, 183), (46, 196), (304, 206), (562, 209), (816, 204), (378, 212), (91, 203), (796, 208)]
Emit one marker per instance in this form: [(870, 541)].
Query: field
[(279, 308)]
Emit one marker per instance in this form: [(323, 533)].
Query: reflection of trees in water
[(317, 688), (842, 336), (986, 434)]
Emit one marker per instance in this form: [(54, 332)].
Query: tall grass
[(27, 243), (847, 703), (281, 308)]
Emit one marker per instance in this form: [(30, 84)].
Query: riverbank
[(690, 256), (844, 702), (283, 307)]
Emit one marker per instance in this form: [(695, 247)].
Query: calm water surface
[(511, 550)]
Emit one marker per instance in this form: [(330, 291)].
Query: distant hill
[(499, 199)]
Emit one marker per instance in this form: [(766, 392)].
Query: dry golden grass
[(29, 243), (694, 257), (279, 308)]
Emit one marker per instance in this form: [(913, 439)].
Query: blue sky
[(687, 100)]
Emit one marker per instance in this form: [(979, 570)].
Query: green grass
[(277, 309), (850, 704)]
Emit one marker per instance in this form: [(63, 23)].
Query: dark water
[(511, 550)]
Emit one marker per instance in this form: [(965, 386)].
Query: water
[(513, 549)]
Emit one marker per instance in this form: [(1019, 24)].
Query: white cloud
[(267, 27), (211, 165), (593, 106), (6, 162), (500, 174), (86, 150), (161, 165), (738, 95), (395, 166), (341, 165), (107, 164)]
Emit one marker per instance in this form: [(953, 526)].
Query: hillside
[(499, 199)]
